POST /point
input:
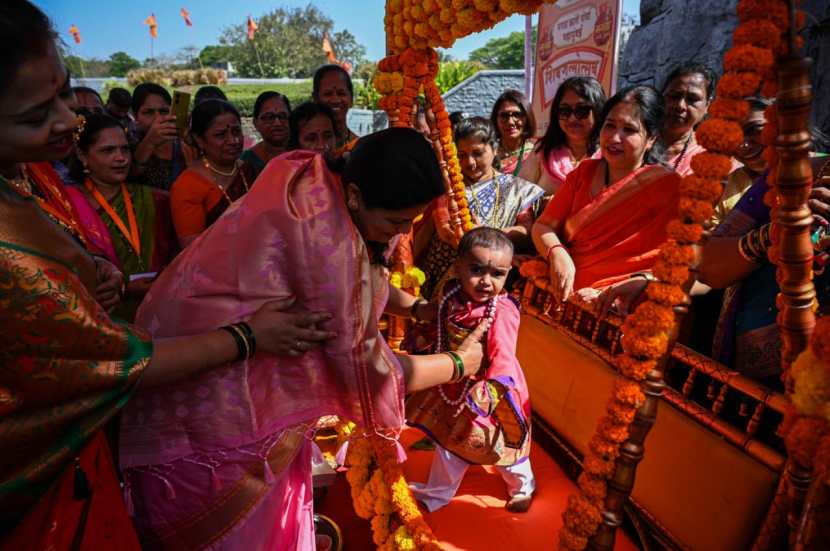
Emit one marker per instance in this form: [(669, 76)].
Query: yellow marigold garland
[(381, 495), (439, 23)]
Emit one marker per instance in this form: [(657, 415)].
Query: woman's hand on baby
[(288, 333), (471, 350)]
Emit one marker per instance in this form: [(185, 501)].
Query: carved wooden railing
[(745, 413)]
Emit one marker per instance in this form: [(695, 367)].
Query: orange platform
[(476, 519)]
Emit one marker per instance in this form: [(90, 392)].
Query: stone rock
[(675, 31)]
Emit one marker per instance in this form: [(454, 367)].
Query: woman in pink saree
[(223, 461)]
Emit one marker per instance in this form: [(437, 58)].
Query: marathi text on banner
[(575, 38)]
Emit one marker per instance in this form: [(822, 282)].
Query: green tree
[(503, 53), (453, 73), (122, 63), (79, 67), (288, 43), (214, 55)]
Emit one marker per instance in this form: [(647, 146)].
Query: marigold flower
[(630, 392), (598, 467), (594, 489), (711, 166), (758, 32), (633, 369), (772, 10), (703, 189), (581, 516), (811, 395), (603, 449), (729, 109), (738, 85), (611, 431), (720, 136), (621, 414), (650, 318), (670, 273), (665, 293), (748, 58), (696, 211), (675, 253), (570, 541), (651, 347), (684, 233)]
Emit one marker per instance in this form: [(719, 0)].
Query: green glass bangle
[(458, 366)]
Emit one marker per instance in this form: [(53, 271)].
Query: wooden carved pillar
[(795, 271)]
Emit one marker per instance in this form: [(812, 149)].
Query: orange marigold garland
[(646, 332)]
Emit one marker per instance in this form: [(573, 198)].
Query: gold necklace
[(22, 184), (219, 172)]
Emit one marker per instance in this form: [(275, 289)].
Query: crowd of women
[(195, 306)]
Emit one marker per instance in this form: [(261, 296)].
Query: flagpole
[(259, 59)]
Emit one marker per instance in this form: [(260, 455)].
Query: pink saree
[(223, 461)]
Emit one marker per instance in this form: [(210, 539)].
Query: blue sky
[(108, 26)]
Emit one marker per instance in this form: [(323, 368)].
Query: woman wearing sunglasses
[(271, 112), (567, 142), (515, 126)]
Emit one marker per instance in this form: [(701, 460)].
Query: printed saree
[(223, 460), (619, 231), (65, 370), (510, 162), (155, 228), (501, 202), (746, 336)]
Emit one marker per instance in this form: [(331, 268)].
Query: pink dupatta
[(291, 238), (94, 227)]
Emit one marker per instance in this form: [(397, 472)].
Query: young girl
[(483, 419)]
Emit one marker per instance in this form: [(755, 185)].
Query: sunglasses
[(581, 112), (271, 117), (507, 115)]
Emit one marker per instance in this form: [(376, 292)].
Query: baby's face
[(483, 271)]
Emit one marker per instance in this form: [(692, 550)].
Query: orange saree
[(617, 232)]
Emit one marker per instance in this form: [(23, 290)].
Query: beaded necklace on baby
[(489, 313)]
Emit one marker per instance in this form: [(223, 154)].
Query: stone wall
[(476, 95), (674, 31)]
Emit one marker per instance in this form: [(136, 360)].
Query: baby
[(483, 419)]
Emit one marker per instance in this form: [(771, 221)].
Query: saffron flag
[(154, 28), (328, 49), (76, 34), (186, 16), (251, 27)]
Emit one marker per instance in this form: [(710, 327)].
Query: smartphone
[(181, 109)]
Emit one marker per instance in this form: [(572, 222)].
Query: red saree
[(618, 232)]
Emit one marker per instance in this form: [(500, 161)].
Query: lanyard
[(521, 158), (131, 236)]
